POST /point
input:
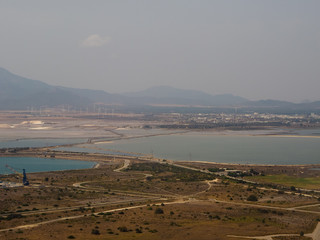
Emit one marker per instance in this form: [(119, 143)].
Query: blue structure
[(25, 180), (24, 175)]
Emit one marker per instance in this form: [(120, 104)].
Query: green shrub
[(252, 198), (123, 229), (95, 232), (158, 211)]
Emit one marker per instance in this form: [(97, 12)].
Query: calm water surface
[(86, 149), (32, 164), (48, 142), (225, 148)]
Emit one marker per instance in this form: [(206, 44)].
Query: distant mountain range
[(170, 95), (17, 92)]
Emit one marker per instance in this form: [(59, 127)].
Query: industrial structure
[(23, 174)]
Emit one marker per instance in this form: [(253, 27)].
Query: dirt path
[(62, 219), (315, 235), (267, 237), (129, 193), (125, 166), (307, 206), (268, 207), (82, 215), (209, 182)]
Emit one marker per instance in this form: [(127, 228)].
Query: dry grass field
[(147, 200)]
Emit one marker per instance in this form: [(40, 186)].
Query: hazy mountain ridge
[(167, 95), (92, 95), (168, 92), (271, 103), (17, 92), (16, 87)]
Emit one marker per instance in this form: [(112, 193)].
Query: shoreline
[(252, 164), (92, 164), (292, 136), (99, 159), (217, 131)]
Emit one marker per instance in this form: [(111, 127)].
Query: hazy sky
[(252, 48)]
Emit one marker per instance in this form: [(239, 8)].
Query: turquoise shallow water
[(32, 164)]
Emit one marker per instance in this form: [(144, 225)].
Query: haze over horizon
[(253, 49)]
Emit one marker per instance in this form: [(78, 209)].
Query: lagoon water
[(85, 148), (299, 147), (32, 164), (38, 142), (225, 148)]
